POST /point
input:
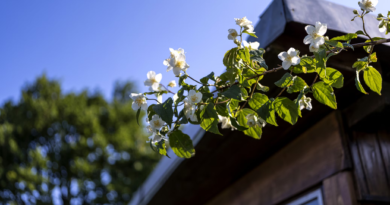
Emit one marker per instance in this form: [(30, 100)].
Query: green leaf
[(373, 79), (359, 86), (373, 58), (368, 48), (346, 37), (287, 110), (233, 92), (230, 57), (262, 87), (360, 32), (347, 45), (285, 81), (359, 65), (209, 119), (151, 112), (324, 94), (267, 112), (251, 34), (161, 148), (297, 86), (255, 131), (320, 61), (243, 54), (165, 111), (236, 125), (257, 101), (333, 77), (181, 80), (257, 55), (137, 115), (335, 44), (222, 110), (306, 65), (181, 144)]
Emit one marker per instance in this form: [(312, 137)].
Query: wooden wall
[(311, 158)]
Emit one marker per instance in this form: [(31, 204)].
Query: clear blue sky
[(92, 43)]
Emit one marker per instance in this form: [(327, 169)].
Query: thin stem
[(315, 79), (253, 91), (215, 103), (167, 89), (364, 29), (154, 99), (286, 86)]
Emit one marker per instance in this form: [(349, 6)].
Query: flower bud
[(326, 38), (237, 42), (355, 12)]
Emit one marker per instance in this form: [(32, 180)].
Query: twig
[(167, 89)]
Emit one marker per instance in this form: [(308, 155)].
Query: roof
[(272, 25), (280, 12)]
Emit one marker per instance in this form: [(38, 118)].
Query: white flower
[(177, 61), (194, 97), (139, 101), (149, 129), (175, 97), (305, 103), (383, 26), (368, 5), (172, 84), (315, 35), (314, 48), (261, 122), (249, 28), (232, 34), (153, 80), (251, 45), (156, 138), (226, 123), (289, 58), (243, 21), (189, 111), (251, 120), (156, 123)]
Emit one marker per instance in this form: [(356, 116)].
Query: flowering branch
[(245, 68)]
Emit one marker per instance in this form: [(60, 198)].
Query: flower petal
[(148, 83), (282, 56), (134, 106), (191, 93), (155, 86), (308, 39), (144, 107), (176, 71), (255, 45), (150, 74), (295, 60), (246, 44), (321, 29), (310, 29), (292, 52), (286, 65), (158, 77)]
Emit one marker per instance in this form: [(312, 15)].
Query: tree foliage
[(51, 141)]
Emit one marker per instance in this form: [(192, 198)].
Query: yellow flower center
[(234, 34), (289, 58), (367, 4), (315, 35), (194, 98), (139, 101), (180, 64), (156, 123)]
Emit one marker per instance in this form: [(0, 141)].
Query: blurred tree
[(77, 148)]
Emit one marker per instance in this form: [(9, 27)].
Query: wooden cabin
[(330, 157)]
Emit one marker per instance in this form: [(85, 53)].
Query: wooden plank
[(339, 190), (373, 165), (384, 141), (315, 155)]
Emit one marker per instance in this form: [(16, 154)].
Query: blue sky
[(90, 43)]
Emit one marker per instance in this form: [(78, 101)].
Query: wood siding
[(306, 162)]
